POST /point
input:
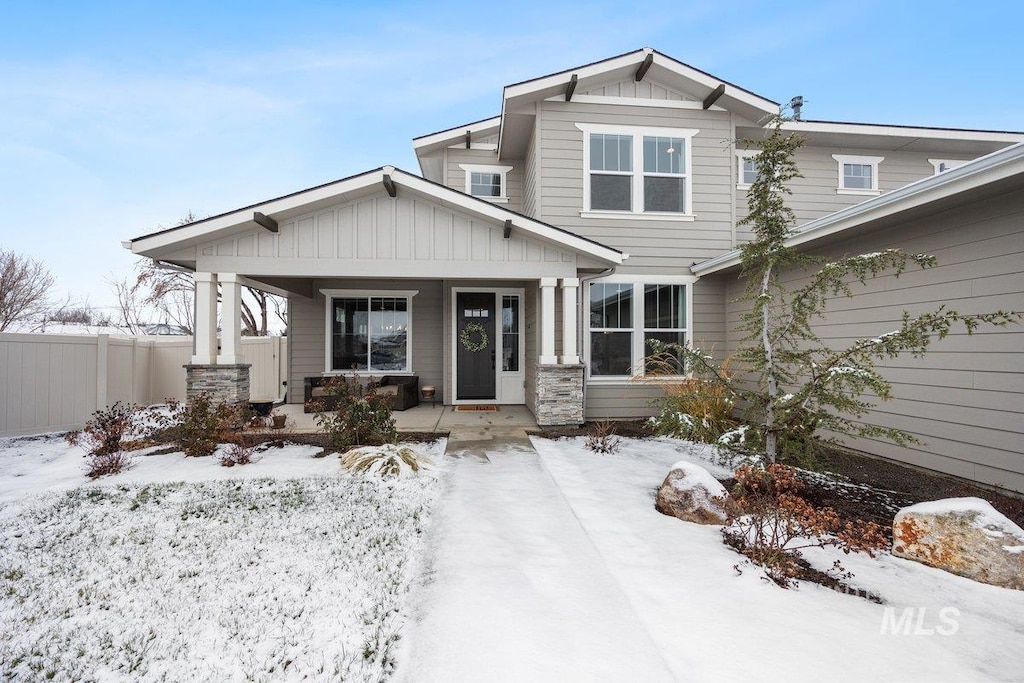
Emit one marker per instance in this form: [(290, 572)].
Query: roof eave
[(988, 169)]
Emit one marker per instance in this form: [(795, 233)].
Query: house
[(537, 250)]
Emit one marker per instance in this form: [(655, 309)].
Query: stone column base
[(227, 383), (559, 395)]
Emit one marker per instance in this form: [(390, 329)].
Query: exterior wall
[(654, 246), (307, 332), (965, 398), (530, 185), (455, 176), (815, 194), (559, 395)]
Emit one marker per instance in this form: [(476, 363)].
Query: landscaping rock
[(690, 493), (964, 536)]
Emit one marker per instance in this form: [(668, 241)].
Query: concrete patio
[(469, 432)]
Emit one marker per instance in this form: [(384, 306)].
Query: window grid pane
[(857, 176), (611, 152), (749, 171), (485, 184), (664, 155), (611, 306)]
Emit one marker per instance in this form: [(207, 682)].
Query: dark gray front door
[(475, 366)]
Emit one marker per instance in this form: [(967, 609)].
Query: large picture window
[(625, 316), (640, 171), (368, 333)]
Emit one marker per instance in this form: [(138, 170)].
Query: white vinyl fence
[(54, 382)]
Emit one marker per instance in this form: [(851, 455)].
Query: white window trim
[(741, 156), (874, 162), (637, 173), (638, 329), (331, 294), (950, 164), (470, 169)]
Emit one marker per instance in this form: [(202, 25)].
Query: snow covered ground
[(557, 567), (532, 566), (181, 570)]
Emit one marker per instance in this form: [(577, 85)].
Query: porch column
[(205, 351), (570, 354), (231, 319), (547, 321)]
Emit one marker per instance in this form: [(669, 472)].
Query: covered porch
[(387, 274)]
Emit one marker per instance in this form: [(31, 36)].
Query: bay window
[(644, 172)]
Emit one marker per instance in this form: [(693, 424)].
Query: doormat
[(476, 409)]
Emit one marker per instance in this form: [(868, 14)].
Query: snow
[(555, 566), (985, 517), (290, 568), (546, 565), (697, 476)]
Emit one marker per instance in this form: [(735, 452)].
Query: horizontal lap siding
[(965, 398), (814, 195), (654, 246), (307, 333), (455, 176)]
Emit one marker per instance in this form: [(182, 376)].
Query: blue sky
[(120, 118)]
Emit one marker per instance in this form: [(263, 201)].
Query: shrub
[(99, 464), (772, 522), (694, 409), (236, 453), (361, 418), (104, 433), (602, 439), (199, 425), (388, 460)]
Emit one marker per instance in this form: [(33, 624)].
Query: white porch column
[(570, 354), (547, 321), (205, 351), (230, 319)]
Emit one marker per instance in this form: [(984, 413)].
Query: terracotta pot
[(277, 421)]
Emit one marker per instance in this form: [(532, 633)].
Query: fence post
[(102, 344)]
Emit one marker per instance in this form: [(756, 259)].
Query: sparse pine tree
[(791, 383)]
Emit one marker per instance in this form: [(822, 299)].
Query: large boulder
[(964, 536), (690, 493)]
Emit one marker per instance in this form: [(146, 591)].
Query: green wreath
[(466, 337)]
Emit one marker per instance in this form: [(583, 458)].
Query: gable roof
[(432, 141), (989, 171), (363, 184)]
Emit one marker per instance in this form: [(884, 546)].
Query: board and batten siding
[(409, 235), (655, 246), (307, 319), (965, 398), (814, 195)]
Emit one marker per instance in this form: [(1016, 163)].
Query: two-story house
[(540, 249)]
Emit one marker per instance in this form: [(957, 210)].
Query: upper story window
[(857, 174), (644, 172), (943, 165), (487, 182), (747, 168)]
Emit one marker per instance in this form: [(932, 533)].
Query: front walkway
[(518, 591)]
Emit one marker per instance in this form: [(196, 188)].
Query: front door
[(475, 349)]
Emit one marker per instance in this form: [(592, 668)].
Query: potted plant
[(277, 420)]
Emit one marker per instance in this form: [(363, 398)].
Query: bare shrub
[(106, 430), (601, 438), (236, 453), (200, 424), (100, 464), (772, 522)]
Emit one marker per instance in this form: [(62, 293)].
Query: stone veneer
[(227, 383), (559, 395)]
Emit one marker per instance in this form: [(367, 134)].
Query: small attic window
[(857, 174), (487, 182)]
